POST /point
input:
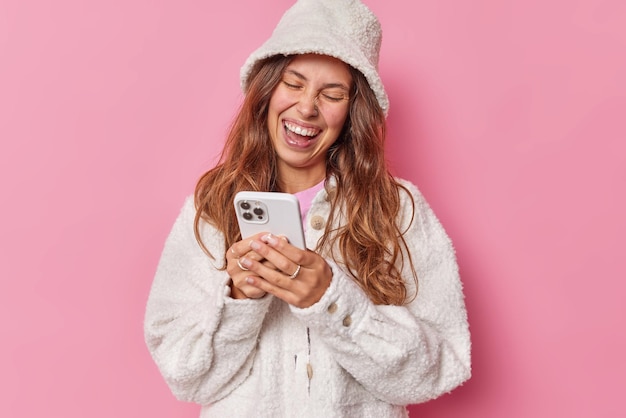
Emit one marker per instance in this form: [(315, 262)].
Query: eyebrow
[(325, 86)]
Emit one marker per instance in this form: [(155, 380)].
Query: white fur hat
[(344, 29)]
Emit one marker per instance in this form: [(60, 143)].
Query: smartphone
[(274, 212)]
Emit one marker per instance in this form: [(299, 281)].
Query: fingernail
[(255, 245), (245, 262), (270, 239)]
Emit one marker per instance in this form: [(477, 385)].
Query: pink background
[(510, 116)]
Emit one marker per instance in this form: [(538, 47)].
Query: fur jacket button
[(317, 222)]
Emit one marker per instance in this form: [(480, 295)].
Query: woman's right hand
[(240, 289)]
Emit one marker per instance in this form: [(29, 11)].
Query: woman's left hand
[(301, 277)]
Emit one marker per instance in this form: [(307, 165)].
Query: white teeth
[(298, 130)]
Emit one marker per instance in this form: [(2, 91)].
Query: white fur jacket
[(342, 357)]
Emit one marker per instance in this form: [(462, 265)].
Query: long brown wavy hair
[(371, 247)]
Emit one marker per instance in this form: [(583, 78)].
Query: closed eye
[(292, 86), (334, 97)]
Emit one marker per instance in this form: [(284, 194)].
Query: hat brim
[(318, 42)]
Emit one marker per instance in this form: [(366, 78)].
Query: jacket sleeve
[(202, 341), (401, 354)]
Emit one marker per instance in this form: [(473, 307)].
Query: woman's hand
[(240, 288), (299, 277)]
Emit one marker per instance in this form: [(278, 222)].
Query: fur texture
[(344, 29), (242, 358)]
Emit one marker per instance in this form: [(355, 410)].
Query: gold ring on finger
[(241, 267), (295, 273)]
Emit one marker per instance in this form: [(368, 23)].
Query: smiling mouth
[(301, 131)]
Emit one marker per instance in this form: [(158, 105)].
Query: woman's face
[(306, 114)]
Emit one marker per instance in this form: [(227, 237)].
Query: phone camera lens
[(244, 205), (247, 216), (258, 211)]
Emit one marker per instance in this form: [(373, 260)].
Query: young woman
[(370, 318)]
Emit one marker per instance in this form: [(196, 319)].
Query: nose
[(307, 105)]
